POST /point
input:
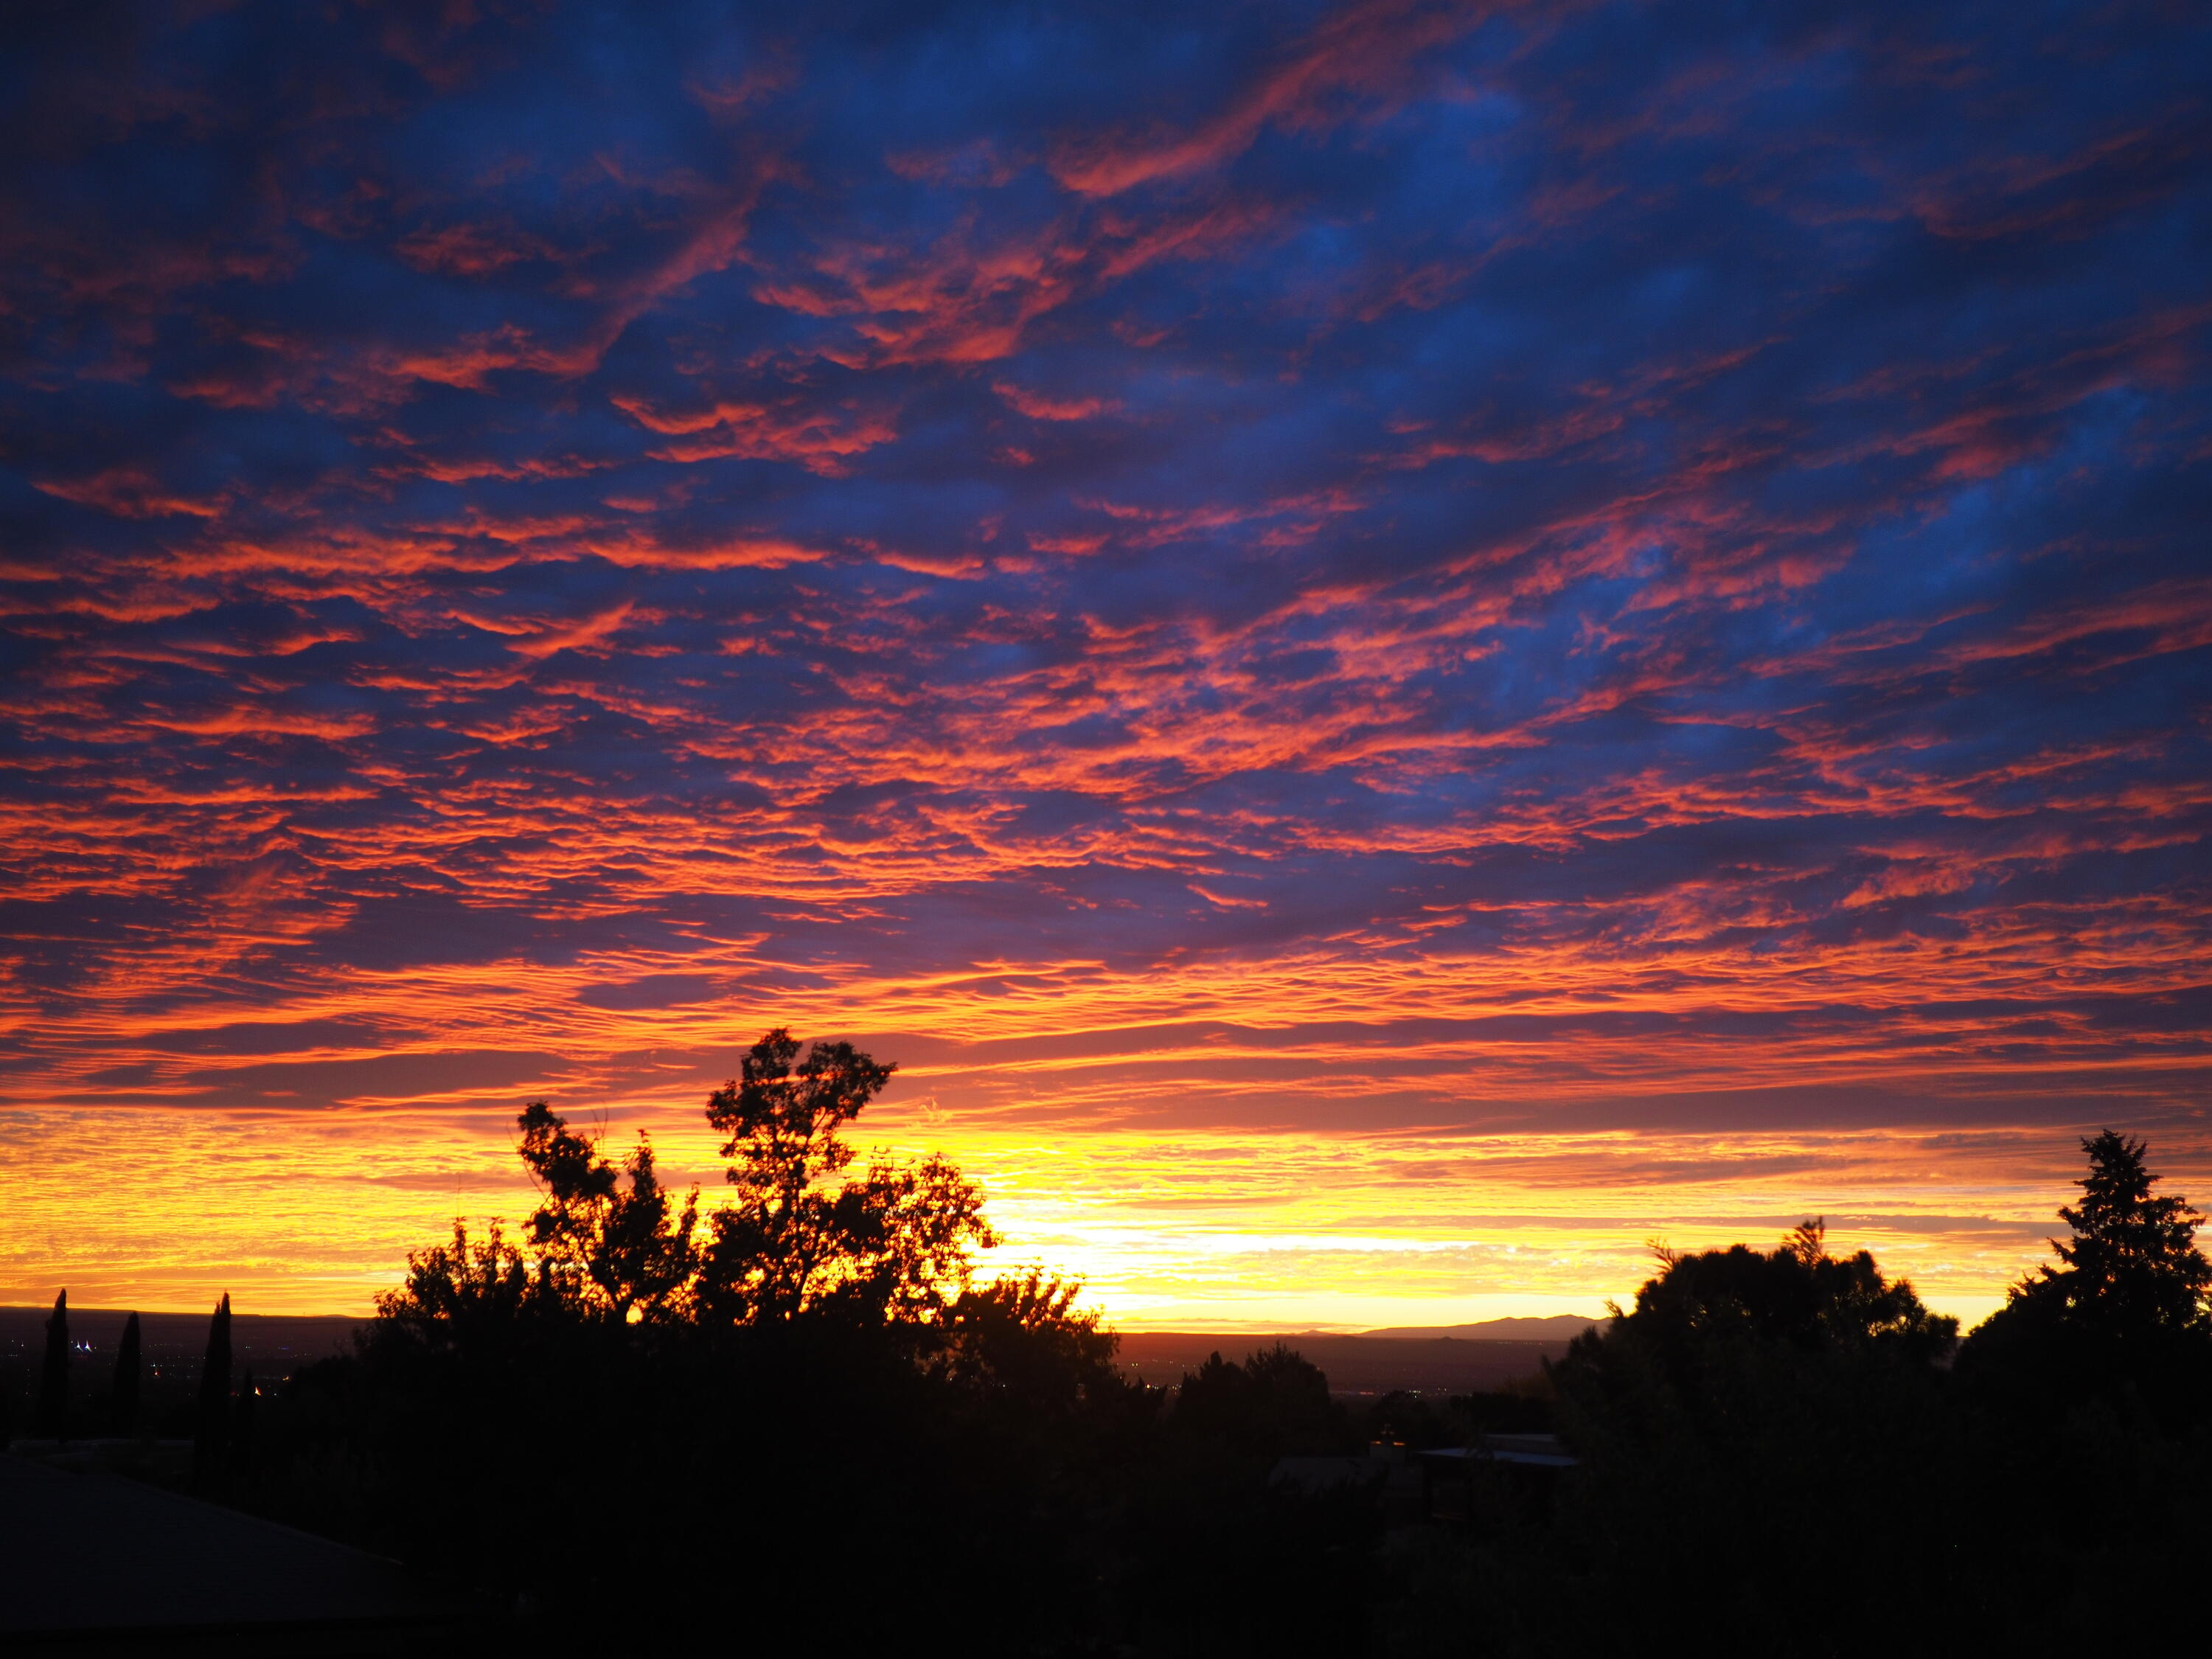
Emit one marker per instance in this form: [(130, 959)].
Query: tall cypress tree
[(123, 1398), (211, 1436), (51, 1422), (241, 1430)]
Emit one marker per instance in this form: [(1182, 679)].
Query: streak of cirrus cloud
[(1391, 645)]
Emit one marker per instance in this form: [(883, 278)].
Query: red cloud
[(1040, 407), (822, 439), (1364, 51), (128, 492)]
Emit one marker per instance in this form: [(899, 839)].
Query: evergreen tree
[(124, 1399), (211, 1433), (2122, 1316), (51, 1421), (2132, 1266)]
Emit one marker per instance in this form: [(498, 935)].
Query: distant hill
[(1443, 1360), (1559, 1328)]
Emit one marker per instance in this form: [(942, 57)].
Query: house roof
[(91, 1553), (1541, 1451)]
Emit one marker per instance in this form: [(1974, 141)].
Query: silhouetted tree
[(2132, 1266), (123, 1398), (896, 1244), (211, 1435), (2122, 1317), (1277, 1402), (892, 1245), (2090, 1398), (1744, 1396), (1022, 1337), (608, 1236), (822, 1356), (1797, 1294), (457, 1293), (50, 1421), (1227, 1559)]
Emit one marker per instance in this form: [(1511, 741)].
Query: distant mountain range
[(1440, 1360), (1558, 1328)]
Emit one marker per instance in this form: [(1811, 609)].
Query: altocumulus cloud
[(1380, 567)]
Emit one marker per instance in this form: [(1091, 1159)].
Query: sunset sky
[(1392, 647)]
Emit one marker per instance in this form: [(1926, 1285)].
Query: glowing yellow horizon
[(1229, 1231)]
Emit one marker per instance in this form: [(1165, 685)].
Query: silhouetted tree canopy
[(611, 1241), (463, 1290), (1796, 1294), (1746, 1396), (1024, 1337), (896, 1243), (1274, 1404), (893, 1244)]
